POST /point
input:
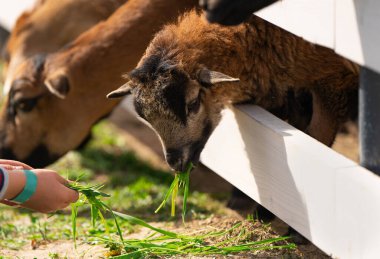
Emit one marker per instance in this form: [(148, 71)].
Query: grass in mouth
[(162, 242), (181, 180)]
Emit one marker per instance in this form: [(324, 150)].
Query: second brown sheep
[(192, 70)]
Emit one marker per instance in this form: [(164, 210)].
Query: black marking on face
[(174, 96), (161, 76), (151, 69), (146, 70)]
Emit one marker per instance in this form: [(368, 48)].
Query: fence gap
[(369, 119)]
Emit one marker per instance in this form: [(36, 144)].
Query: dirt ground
[(65, 249)]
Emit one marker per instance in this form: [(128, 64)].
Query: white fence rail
[(329, 199)]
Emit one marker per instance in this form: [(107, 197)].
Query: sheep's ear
[(58, 85), (209, 77), (121, 91)]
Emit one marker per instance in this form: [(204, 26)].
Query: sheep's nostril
[(174, 159)]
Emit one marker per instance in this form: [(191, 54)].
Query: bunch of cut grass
[(91, 195), (181, 180), (162, 242)]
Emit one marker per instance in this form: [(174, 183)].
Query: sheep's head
[(43, 118), (23, 120), (180, 107)]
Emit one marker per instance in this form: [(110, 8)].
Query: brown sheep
[(47, 27), (192, 70), (53, 104)]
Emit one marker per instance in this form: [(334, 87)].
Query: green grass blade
[(104, 222), (74, 214), (181, 180), (133, 255), (94, 214), (185, 195), (164, 243), (115, 220), (174, 197), (142, 223), (167, 195)]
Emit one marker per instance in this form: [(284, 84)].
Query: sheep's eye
[(26, 105), (193, 107)]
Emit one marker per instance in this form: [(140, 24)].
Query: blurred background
[(10, 10)]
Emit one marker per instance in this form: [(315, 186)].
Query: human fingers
[(72, 195), (52, 173), (15, 163), (11, 167)]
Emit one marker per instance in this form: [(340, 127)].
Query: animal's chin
[(40, 157)]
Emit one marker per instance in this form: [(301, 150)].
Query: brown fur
[(50, 25), (83, 72), (269, 61)]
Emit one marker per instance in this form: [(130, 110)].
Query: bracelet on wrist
[(4, 180), (29, 188)]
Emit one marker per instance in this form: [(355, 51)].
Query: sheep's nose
[(174, 159)]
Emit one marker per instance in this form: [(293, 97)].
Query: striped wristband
[(4, 180)]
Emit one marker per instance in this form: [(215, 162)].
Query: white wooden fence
[(329, 199), (326, 197)]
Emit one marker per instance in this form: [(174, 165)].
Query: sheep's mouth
[(39, 157)]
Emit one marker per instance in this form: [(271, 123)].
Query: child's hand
[(13, 165), (51, 193)]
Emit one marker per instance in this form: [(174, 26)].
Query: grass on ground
[(135, 188)]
